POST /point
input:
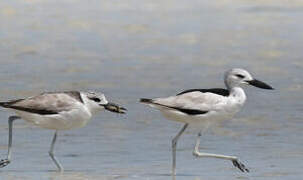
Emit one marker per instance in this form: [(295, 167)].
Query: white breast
[(75, 118)]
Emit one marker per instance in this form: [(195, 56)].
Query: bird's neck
[(88, 105), (238, 94)]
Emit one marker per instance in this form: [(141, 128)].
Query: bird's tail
[(147, 101), (8, 104), (4, 104)]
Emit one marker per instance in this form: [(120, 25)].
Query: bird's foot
[(4, 162), (239, 165)]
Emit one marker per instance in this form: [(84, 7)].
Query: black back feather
[(219, 91)]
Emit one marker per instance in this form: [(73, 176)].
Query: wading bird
[(198, 107), (57, 111)]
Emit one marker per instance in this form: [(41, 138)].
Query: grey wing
[(44, 104), (196, 101)]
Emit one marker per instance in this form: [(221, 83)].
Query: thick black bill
[(115, 108), (259, 84)]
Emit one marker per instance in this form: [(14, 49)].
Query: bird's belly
[(62, 121), (207, 118)]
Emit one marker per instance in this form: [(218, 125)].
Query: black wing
[(184, 110), (219, 91)]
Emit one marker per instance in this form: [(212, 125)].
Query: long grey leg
[(174, 145), (234, 159), (5, 162), (51, 153)]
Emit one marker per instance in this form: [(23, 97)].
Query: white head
[(96, 101), (236, 77)]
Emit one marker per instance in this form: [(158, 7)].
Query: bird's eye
[(95, 99), (240, 76)]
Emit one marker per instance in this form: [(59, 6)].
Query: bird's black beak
[(259, 84), (114, 108)]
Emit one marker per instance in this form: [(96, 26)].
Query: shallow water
[(145, 48)]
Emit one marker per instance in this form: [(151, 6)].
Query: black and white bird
[(57, 111), (201, 107)]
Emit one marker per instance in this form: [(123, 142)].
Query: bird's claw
[(4, 162), (239, 165)]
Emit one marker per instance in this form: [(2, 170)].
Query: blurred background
[(148, 48)]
